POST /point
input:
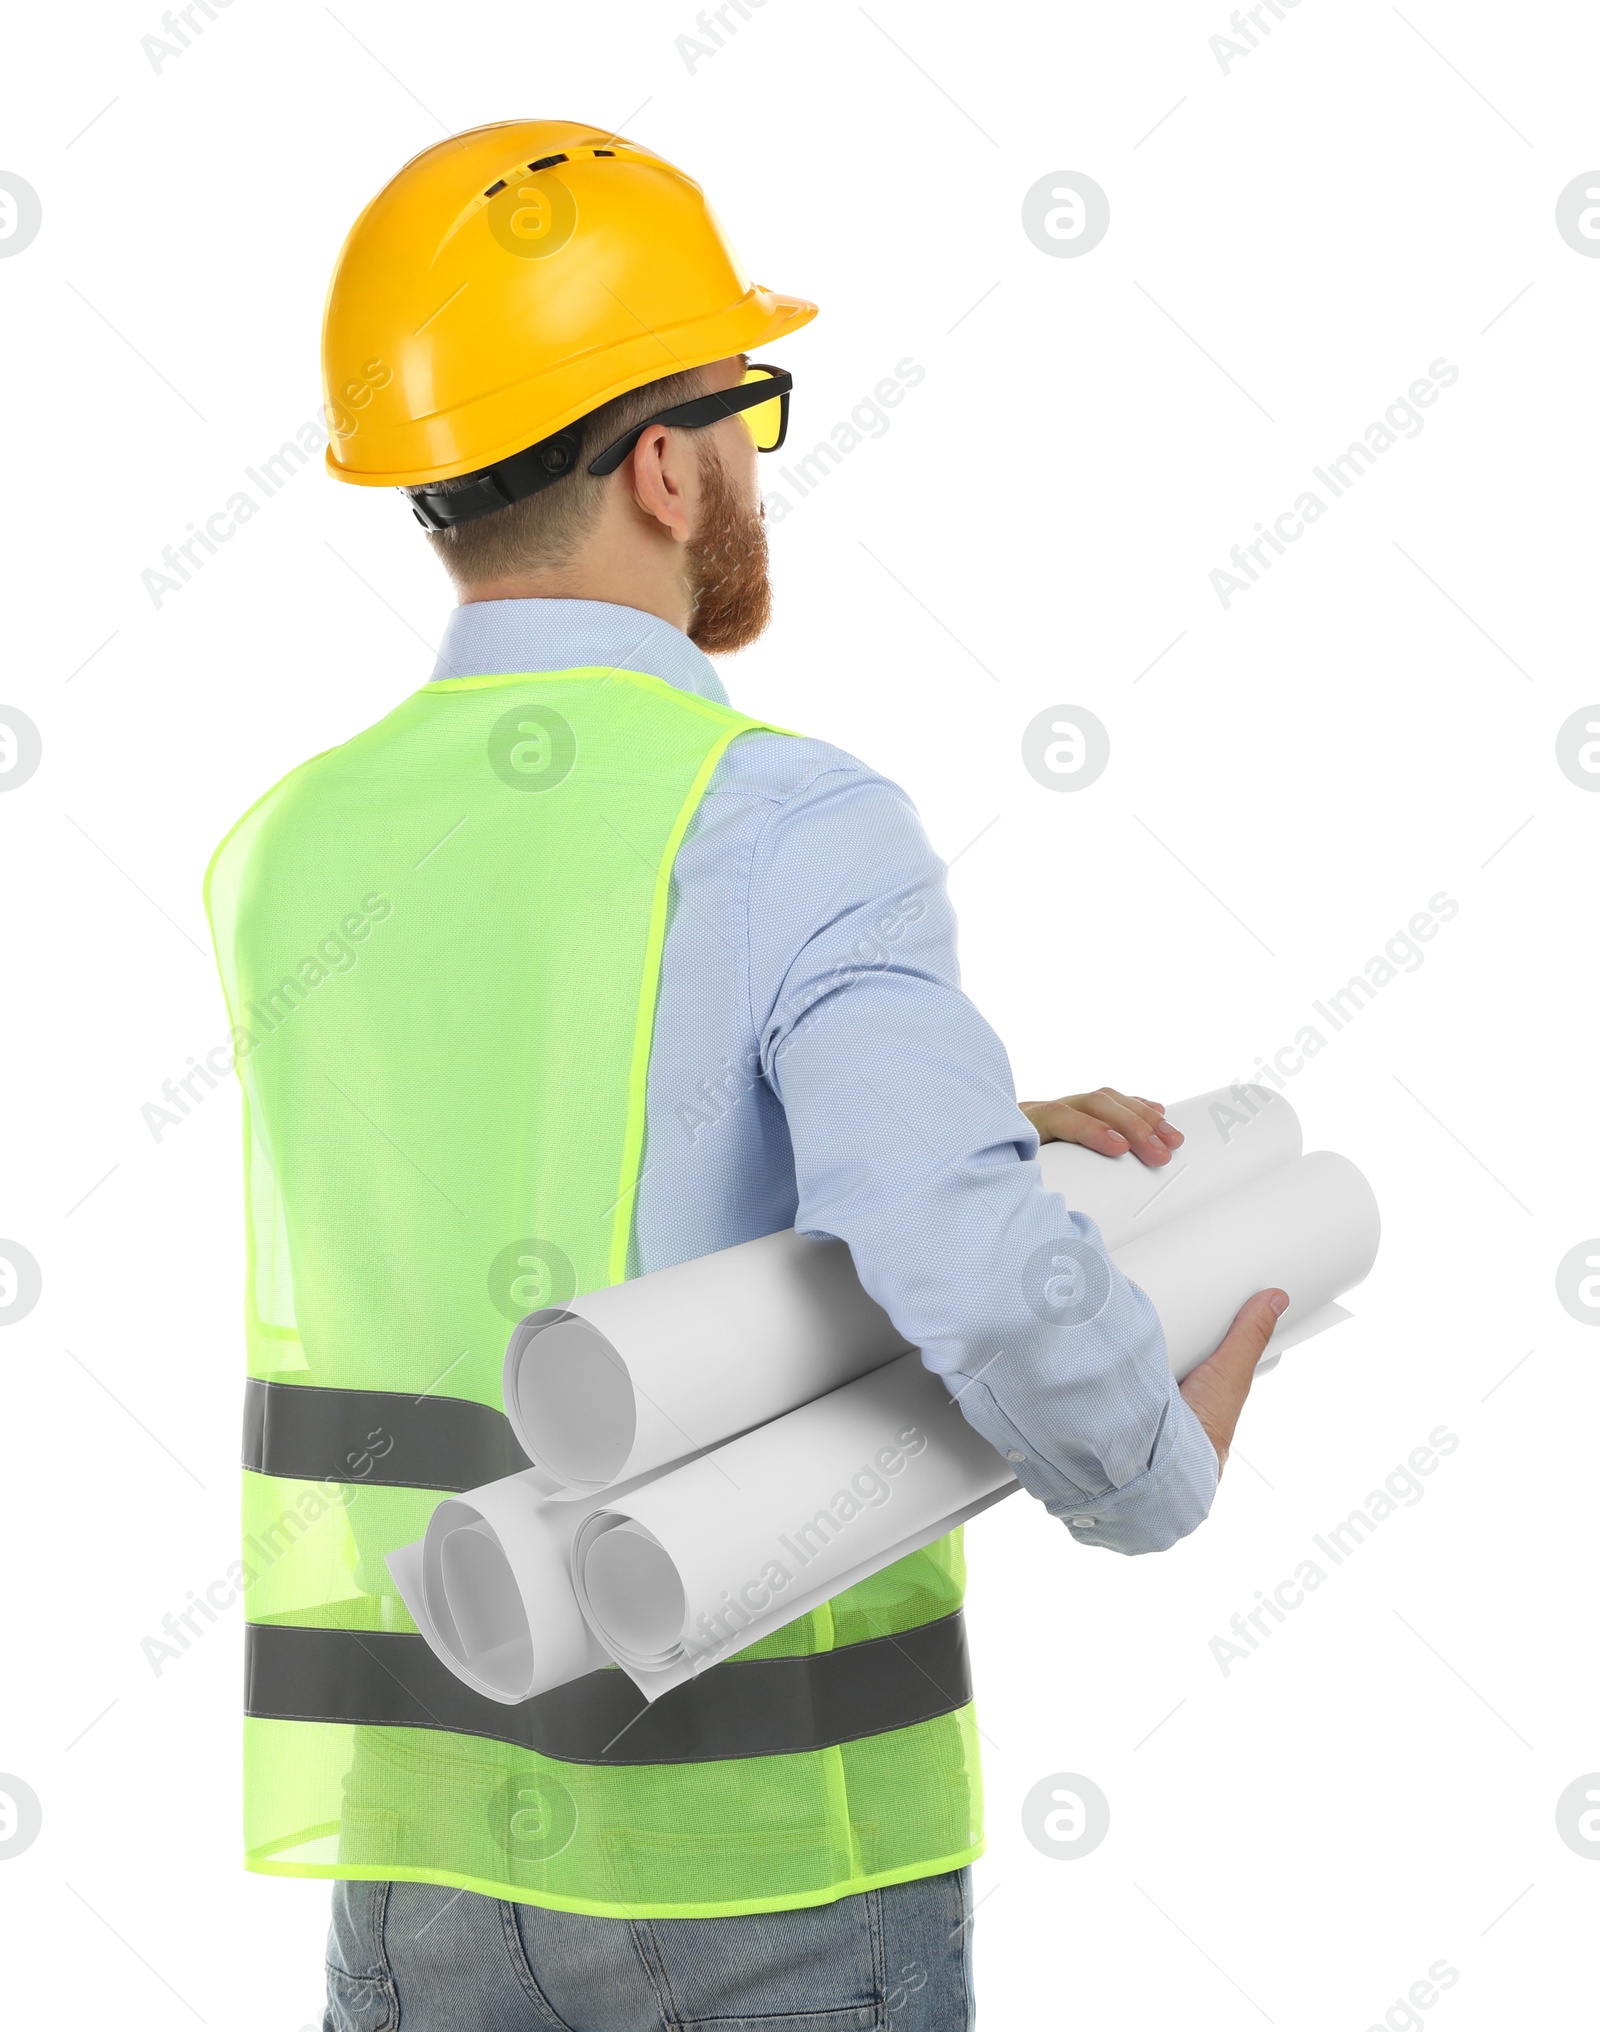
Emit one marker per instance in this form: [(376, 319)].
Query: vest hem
[(730, 1908)]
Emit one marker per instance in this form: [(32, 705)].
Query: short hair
[(547, 527)]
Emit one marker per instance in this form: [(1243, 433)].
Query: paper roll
[(621, 1382), (712, 1556), (826, 1450), (1310, 1227), (490, 1589), (405, 1569), (1230, 1137)]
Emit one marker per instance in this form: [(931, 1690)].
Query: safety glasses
[(762, 399)]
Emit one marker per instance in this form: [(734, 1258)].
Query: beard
[(729, 588)]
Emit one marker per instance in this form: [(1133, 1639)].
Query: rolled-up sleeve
[(909, 1146)]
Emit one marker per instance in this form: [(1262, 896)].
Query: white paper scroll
[(624, 1380), (489, 1588), (812, 1448), (1310, 1227), (715, 1555), (1230, 1138), (491, 1585), (620, 1382)]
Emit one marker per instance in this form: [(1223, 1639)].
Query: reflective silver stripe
[(382, 1438), (765, 1707)]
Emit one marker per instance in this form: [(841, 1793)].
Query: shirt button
[(1012, 1454), (1083, 1520)]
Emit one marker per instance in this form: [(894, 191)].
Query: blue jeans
[(416, 1958)]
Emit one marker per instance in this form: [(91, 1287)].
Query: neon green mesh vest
[(440, 945)]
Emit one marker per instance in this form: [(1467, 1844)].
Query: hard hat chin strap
[(498, 486)]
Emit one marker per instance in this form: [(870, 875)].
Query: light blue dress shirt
[(816, 1065)]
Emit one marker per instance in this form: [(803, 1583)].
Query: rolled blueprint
[(714, 1555), (620, 1382), (489, 1588), (519, 1592), (1311, 1227), (1230, 1137), (624, 1380)]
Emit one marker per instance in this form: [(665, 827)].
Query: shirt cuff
[(1164, 1503), (1152, 1512)]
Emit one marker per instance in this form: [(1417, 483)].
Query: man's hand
[(1108, 1122), (1112, 1123), (1216, 1388)]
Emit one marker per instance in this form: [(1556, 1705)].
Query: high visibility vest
[(440, 945)]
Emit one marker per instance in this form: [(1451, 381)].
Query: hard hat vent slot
[(494, 188), (547, 162), (605, 151)]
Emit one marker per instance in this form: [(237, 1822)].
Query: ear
[(661, 474)]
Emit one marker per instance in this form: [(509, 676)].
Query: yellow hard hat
[(510, 280)]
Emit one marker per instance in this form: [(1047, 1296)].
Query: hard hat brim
[(759, 317)]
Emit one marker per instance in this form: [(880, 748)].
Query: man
[(566, 971)]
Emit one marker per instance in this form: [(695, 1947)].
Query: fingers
[(1139, 1124), (1215, 1389), (1066, 1121), (1108, 1122), (1163, 1128), (1246, 1340)]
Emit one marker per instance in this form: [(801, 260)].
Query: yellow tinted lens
[(766, 419)]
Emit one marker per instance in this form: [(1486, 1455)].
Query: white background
[(1297, 775)]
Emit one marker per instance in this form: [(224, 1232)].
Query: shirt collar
[(493, 638)]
